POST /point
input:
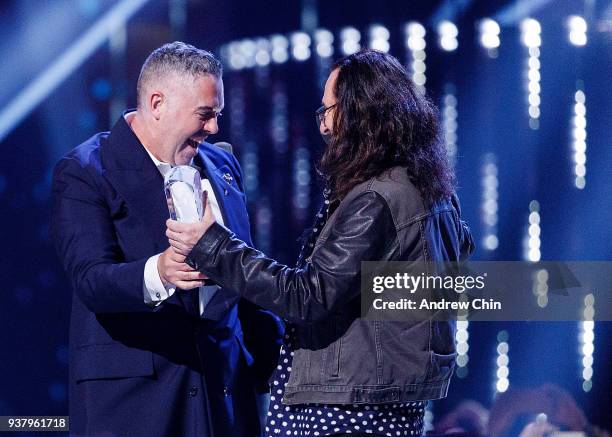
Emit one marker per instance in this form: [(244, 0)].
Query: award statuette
[(183, 188)]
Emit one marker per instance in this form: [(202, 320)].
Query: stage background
[(532, 150)]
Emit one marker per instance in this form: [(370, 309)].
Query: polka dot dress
[(400, 419)]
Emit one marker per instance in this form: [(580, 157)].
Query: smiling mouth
[(193, 143)]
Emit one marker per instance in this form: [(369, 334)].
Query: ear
[(156, 103)]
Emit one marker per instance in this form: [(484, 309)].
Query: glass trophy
[(183, 187)]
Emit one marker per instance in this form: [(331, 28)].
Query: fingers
[(175, 259), (188, 285), (172, 269), (190, 276), (181, 228), (176, 226), (173, 235), (178, 243), (176, 256), (185, 232), (182, 275), (181, 249), (179, 265), (208, 214)]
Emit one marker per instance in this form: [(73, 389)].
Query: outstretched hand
[(184, 236)]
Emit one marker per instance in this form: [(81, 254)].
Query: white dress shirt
[(154, 291)]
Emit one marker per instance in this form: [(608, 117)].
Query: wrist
[(207, 226), (165, 282)]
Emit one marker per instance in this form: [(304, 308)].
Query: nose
[(322, 128), (211, 126)]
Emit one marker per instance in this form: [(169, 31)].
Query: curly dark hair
[(381, 121)]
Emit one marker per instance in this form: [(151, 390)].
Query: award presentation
[(308, 218)]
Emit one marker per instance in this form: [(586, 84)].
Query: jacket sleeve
[(84, 237), (363, 231), (466, 242), (262, 330)]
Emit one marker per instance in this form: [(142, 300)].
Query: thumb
[(208, 214)]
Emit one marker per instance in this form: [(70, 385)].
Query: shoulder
[(402, 197), (84, 156), (81, 165), (394, 186), (221, 157), (218, 155)]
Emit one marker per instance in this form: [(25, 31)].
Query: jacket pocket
[(334, 359), (109, 361), (440, 366), (331, 346)]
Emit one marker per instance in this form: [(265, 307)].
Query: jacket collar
[(211, 172), (138, 181), (124, 151)]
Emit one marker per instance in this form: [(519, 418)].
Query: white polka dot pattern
[(400, 419)]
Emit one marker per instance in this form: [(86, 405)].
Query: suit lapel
[(139, 183), (135, 177), (229, 196), (216, 182), (234, 214)]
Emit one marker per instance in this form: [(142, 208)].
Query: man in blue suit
[(155, 350)]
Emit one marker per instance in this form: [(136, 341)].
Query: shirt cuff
[(154, 291)]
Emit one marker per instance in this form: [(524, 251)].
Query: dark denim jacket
[(341, 358)]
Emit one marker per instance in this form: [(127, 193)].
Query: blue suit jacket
[(135, 370)]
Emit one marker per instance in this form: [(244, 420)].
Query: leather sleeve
[(363, 231), (262, 330)]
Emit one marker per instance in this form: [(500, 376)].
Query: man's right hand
[(173, 270)]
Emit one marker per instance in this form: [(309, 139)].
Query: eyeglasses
[(322, 112)]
